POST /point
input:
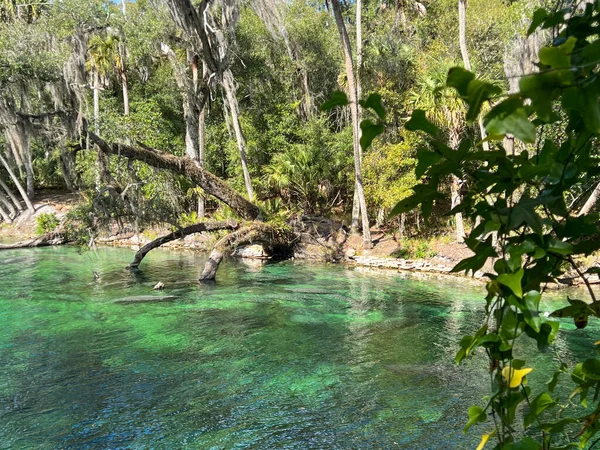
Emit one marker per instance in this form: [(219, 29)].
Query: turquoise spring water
[(283, 355)]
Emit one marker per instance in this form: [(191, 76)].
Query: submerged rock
[(146, 299)]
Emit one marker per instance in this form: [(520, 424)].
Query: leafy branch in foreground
[(517, 199)]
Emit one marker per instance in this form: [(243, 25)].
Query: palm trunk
[(229, 86), (591, 201), (18, 185), (355, 120)]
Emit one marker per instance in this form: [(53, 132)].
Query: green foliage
[(415, 249), (519, 199), (46, 223)]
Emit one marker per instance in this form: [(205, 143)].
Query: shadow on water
[(277, 356)]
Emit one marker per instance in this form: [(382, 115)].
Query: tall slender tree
[(352, 98)]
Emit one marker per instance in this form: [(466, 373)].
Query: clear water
[(280, 356)]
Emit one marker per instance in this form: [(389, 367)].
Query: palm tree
[(100, 63)]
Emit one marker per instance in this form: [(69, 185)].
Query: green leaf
[(483, 251), (459, 79), (578, 310), (539, 16), (560, 247), (373, 101), (370, 131), (512, 281), (425, 159), (476, 414), (337, 98), (584, 103), (554, 57), (524, 213), (541, 403), (557, 427), (424, 195), (477, 93), (419, 122), (516, 123), (546, 335), (531, 310), (591, 369)]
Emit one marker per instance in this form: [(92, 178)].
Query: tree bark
[(96, 102), (229, 87), (18, 185), (4, 214), (12, 196), (201, 157), (367, 242), (179, 234), (183, 166), (125, 84), (355, 198), (8, 205), (591, 201)]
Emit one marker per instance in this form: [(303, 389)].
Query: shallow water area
[(282, 355)]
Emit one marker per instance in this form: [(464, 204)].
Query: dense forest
[(477, 119), (238, 87)]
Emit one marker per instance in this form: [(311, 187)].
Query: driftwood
[(54, 238), (183, 166), (196, 228), (272, 236)]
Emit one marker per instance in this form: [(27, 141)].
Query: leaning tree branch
[(178, 234), (257, 232), (183, 166)]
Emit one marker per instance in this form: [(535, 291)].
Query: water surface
[(278, 356)]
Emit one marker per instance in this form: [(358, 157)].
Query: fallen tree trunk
[(274, 237), (54, 238), (187, 167), (196, 228)]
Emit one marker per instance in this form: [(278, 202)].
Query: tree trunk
[(229, 86), (201, 145), (355, 118), (455, 199), (12, 196), (179, 234), (355, 198), (183, 166), (5, 215), (462, 33), (591, 201), (125, 84), (18, 185), (96, 103), (8, 205)]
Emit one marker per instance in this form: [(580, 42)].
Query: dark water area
[(283, 355)]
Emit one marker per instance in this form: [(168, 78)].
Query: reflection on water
[(275, 356)]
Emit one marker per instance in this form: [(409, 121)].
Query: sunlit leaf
[(476, 414), (514, 377), (512, 281), (484, 439)]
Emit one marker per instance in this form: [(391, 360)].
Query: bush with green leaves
[(46, 223), (517, 197)]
